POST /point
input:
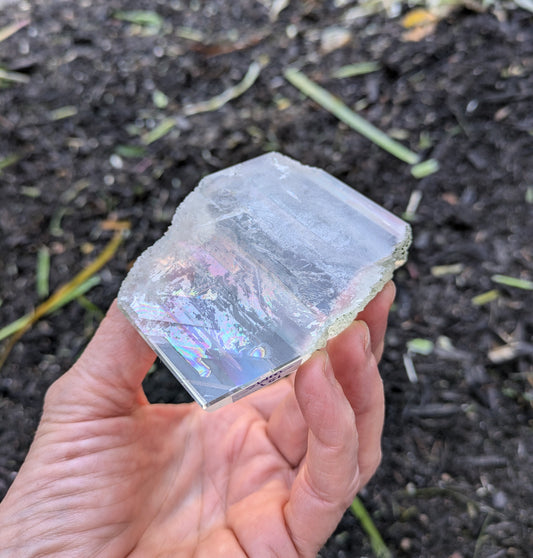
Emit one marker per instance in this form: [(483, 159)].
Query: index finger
[(375, 316)]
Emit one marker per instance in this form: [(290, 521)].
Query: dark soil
[(456, 478)]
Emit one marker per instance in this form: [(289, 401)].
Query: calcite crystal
[(263, 262)]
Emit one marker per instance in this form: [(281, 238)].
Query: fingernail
[(390, 291), (366, 335), (327, 368)]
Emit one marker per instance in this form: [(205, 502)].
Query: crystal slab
[(263, 262)]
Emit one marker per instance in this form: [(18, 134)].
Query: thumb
[(107, 379)]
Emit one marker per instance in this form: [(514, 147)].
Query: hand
[(110, 475)]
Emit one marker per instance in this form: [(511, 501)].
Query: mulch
[(458, 443)]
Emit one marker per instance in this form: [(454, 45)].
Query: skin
[(110, 475)]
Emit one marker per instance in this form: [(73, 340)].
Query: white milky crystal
[(263, 262)]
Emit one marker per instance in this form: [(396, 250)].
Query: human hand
[(110, 475)]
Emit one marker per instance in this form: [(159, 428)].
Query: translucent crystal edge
[(386, 267)]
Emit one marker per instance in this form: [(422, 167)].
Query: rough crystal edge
[(338, 323)]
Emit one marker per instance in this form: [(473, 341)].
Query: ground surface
[(458, 445)]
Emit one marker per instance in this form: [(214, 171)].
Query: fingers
[(267, 399), (341, 400), (328, 478), (375, 315), (354, 355), (107, 378), (362, 385), (356, 370)]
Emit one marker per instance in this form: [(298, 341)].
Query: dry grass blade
[(412, 206), (78, 285), (353, 70), (486, 297), (237, 90), (9, 30), (161, 130), (62, 113), (143, 18), (15, 77), (443, 270)]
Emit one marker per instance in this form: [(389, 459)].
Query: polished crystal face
[(263, 262)]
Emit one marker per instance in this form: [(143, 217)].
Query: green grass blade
[(513, 282), (23, 322), (327, 101), (420, 346), (77, 286), (144, 18), (15, 77), (352, 70), (376, 541), (8, 161), (15, 326), (43, 272), (161, 130), (485, 298), (425, 168), (130, 151), (90, 306), (63, 112), (159, 99), (80, 290)]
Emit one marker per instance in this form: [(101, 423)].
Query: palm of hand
[(183, 481), (269, 475)]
